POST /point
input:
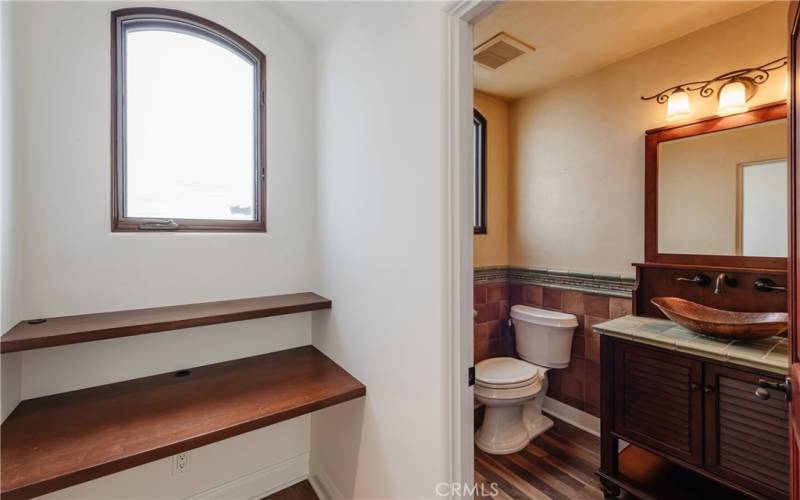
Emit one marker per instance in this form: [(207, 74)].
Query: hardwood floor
[(299, 491), (559, 465)]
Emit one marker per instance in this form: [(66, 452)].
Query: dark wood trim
[(609, 444), (793, 21), (757, 114), (661, 280), (57, 441), (480, 176), (121, 223), (34, 334), (725, 364), (653, 138), (689, 267)]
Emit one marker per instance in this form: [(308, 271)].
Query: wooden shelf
[(650, 477), (56, 441), (90, 327)]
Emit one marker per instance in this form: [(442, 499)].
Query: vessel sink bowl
[(722, 324)]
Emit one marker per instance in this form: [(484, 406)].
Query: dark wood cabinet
[(746, 436), (700, 414), (659, 402)]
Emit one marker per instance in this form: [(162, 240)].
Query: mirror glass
[(725, 193)]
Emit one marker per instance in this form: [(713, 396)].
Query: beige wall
[(491, 249), (577, 149), (697, 186)]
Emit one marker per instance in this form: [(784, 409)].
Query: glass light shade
[(732, 99), (678, 106)]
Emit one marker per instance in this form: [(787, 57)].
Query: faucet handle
[(767, 285), (699, 279)]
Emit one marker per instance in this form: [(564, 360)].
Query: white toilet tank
[(543, 337)]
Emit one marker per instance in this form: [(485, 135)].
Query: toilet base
[(503, 431), (509, 429), (538, 426)]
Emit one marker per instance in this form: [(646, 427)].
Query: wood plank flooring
[(558, 465), (299, 491)]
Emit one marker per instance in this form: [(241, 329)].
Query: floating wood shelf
[(647, 475), (56, 441), (65, 330)]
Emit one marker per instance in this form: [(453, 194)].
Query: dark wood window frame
[(177, 20), (479, 131)]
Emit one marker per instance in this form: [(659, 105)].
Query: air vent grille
[(499, 50)]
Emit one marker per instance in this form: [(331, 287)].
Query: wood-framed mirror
[(716, 191)]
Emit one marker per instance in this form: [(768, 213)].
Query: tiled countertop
[(770, 354)]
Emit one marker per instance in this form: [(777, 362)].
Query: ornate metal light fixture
[(734, 89)]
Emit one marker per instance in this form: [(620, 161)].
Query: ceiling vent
[(499, 50)]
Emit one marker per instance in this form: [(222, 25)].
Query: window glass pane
[(190, 111), (476, 139)]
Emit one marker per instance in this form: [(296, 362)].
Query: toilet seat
[(508, 395), (507, 379), (505, 373)]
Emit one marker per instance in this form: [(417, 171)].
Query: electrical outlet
[(180, 463)]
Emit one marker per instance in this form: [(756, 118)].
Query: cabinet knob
[(694, 386), (762, 393), (708, 389)]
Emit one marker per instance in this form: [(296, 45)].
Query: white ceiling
[(576, 38)]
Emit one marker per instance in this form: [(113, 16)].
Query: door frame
[(458, 234), (793, 24)]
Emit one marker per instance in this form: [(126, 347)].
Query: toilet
[(513, 390)]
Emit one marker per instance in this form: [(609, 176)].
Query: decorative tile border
[(495, 274), (614, 285)]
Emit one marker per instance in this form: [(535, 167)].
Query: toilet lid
[(505, 371)]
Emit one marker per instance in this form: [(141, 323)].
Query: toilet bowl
[(513, 390)]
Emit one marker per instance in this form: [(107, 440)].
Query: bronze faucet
[(724, 278)]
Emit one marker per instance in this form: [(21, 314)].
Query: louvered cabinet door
[(746, 437), (658, 401)]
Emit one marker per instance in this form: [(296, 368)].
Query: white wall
[(9, 303), (73, 264), (381, 245), (246, 466)]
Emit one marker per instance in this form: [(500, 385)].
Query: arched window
[(188, 125), (479, 158)]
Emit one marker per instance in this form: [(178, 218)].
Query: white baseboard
[(260, 483), (322, 485), (572, 416), (576, 417)]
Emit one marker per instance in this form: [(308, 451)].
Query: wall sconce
[(735, 89), (678, 105), (733, 97)]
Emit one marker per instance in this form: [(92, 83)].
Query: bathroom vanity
[(695, 401), (715, 235)]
